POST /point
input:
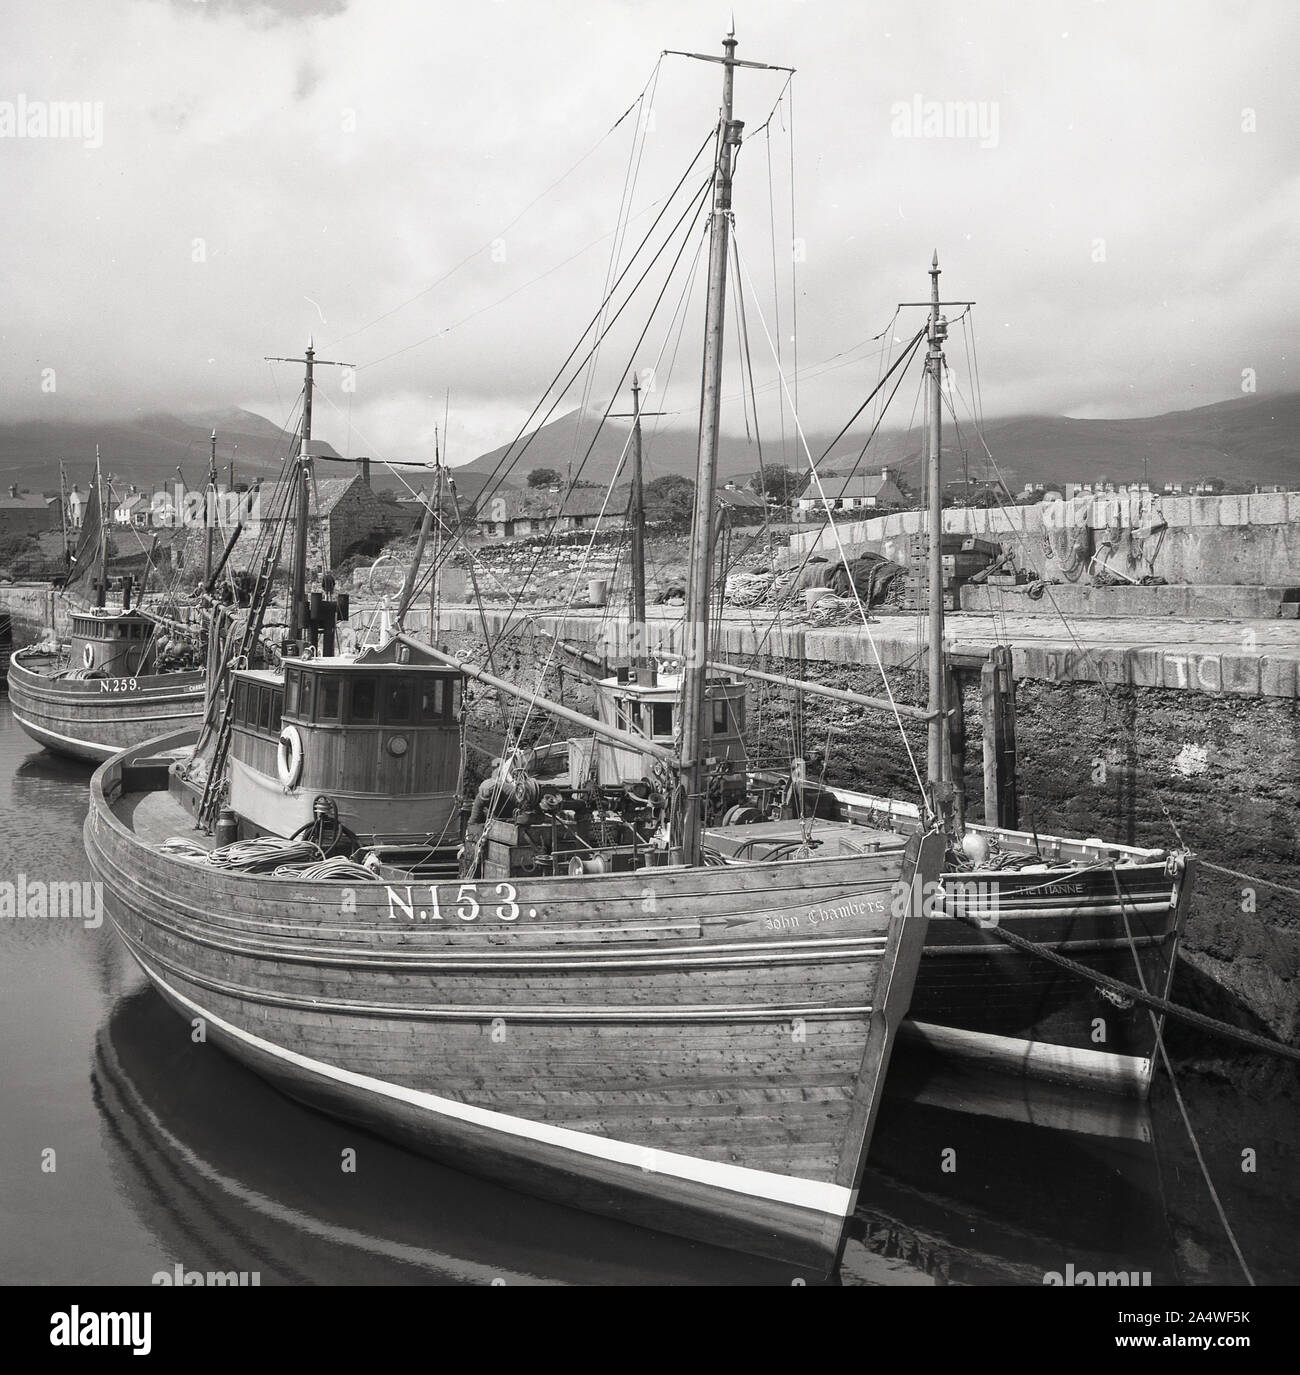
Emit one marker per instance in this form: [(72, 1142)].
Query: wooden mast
[(101, 586), (695, 674), (63, 515), (435, 576), (636, 520), (408, 584), (299, 613), (210, 509), (939, 765), (298, 594)]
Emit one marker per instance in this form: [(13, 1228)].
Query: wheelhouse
[(652, 709), (112, 644), (377, 738)]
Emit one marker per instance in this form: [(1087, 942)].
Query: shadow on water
[(985, 1179), (977, 1178), (230, 1175)]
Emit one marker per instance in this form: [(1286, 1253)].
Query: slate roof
[(27, 501)]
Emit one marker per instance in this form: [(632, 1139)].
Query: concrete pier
[(1235, 658)]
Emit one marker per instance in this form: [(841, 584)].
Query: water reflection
[(231, 1175)]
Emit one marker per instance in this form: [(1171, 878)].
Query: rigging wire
[(871, 639), (903, 361), (506, 463), (613, 397), (630, 177), (484, 247), (1083, 650)]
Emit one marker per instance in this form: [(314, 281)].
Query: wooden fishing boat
[(697, 1049), (683, 1041), (1113, 910), (6, 643), (124, 675), (97, 695)]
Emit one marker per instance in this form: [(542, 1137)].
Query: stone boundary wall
[(1240, 540), (35, 609), (1265, 670)]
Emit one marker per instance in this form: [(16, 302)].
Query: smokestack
[(13, 490), (363, 467)]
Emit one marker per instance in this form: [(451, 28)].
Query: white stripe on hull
[(86, 749), (1100, 1069), (93, 749), (832, 1200)]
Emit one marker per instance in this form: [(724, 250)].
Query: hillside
[(1253, 439), (145, 451)]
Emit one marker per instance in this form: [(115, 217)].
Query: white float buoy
[(975, 847)]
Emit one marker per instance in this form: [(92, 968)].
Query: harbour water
[(129, 1153)]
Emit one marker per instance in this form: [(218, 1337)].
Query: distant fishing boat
[(639, 1028), (125, 674)]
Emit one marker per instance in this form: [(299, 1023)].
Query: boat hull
[(978, 997), (681, 1049), (93, 718)]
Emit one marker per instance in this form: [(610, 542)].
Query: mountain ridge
[(1246, 439)]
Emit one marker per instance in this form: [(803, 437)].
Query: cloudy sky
[(1116, 184)]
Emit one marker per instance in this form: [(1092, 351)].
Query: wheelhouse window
[(397, 701), (327, 699), (306, 692), (662, 718), (241, 702), (291, 692), (264, 708), (277, 710), (719, 716), (362, 703), (431, 699)]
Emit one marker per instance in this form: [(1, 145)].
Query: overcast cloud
[(1124, 207)]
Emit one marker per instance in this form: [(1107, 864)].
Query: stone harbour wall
[(1249, 540)]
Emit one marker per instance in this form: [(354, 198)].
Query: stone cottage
[(348, 517), (28, 513)]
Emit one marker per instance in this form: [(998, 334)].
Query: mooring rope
[(1158, 1030), (1150, 1000), (1250, 878)]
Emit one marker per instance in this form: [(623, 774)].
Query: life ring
[(87, 656), (288, 757)]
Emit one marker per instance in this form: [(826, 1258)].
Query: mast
[(101, 586), (695, 674), (63, 514), (298, 595), (435, 578), (209, 509), (939, 762), (636, 519)]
